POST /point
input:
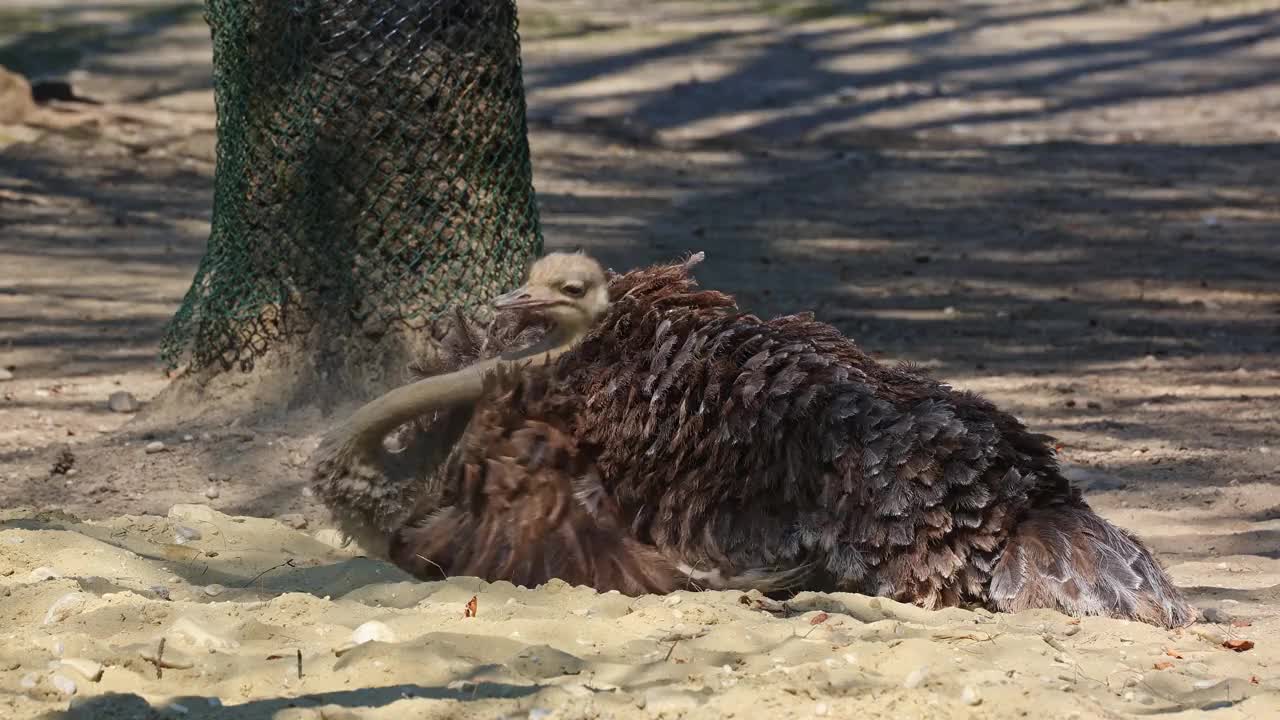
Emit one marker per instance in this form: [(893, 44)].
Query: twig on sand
[(162, 664), (254, 579)]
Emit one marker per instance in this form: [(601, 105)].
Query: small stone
[(373, 631), (916, 678), (90, 669), (123, 402), (969, 696), (160, 591), (1217, 615), (212, 492), (948, 310), (294, 520), (539, 714), (44, 573), (214, 590), (65, 606), (183, 534), (154, 447), (29, 681), (821, 709), (5, 374), (672, 600), (64, 684), (188, 438)]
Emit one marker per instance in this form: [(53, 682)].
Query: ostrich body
[(680, 440)]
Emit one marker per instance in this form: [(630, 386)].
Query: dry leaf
[(1241, 623), (1254, 679), (471, 608), (1172, 653), (819, 618), (1238, 645), (1164, 665)]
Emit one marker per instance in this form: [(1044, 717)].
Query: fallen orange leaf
[(1164, 665), (1238, 645), (1171, 653), (819, 618), (471, 608)]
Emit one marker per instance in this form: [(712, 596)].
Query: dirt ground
[(1070, 207)]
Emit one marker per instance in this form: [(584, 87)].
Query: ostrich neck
[(380, 416)]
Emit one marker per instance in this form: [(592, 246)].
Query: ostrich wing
[(529, 505)]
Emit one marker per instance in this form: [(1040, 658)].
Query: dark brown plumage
[(527, 504), (741, 452)]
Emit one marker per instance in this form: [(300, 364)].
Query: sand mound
[(262, 621)]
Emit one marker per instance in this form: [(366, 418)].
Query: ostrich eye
[(574, 290)]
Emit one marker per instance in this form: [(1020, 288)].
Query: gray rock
[(154, 447), (123, 402)]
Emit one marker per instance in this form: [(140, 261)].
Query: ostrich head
[(569, 288)]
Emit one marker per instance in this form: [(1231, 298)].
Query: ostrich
[(369, 488), (666, 437)]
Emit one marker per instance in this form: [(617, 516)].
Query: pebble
[(160, 591), (29, 681), (821, 709), (672, 600), (1216, 615), (90, 669), (372, 631), (294, 520), (916, 678), (64, 607), (539, 714), (64, 684), (211, 492), (188, 438), (5, 374), (154, 447), (969, 696), (184, 534), (122, 402), (44, 573), (214, 590)]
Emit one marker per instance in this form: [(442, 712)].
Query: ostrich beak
[(525, 298)]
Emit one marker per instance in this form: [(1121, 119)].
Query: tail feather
[(1070, 559)]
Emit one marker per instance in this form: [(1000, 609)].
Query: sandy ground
[(1068, 207)]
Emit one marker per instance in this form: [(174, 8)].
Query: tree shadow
[(802, 82)]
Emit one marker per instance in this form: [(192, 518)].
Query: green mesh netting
[(373, 168)]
